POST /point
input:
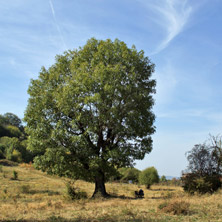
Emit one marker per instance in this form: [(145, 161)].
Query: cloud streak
[(171, 16), (57, 25)]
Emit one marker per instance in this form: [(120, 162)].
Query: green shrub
[(163, 179), (15, 175), (175, 207), (72, 193), (201, 184), (1, 169), (16, 156), (148, 177)]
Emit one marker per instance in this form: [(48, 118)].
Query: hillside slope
[(35, 196)]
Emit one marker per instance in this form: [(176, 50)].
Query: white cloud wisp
[(57, 25), (171, 16)]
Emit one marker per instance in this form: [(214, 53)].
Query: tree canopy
[(13, 139), (206, 159), (91, 112), (205, 167)]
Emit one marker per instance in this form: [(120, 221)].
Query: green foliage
[(13, 131), (2, 151), (148, 177), (73, 193), (175, 207), (15, 150), (12, 139), (91, 112), (10, 125), (128, 174), (15, 175), (205, 167), (3, 131), (16, 156), (11, 145), (193, 183), (12, 119), (163, 179)]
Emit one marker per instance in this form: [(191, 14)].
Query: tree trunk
[(148, 186), (100, 189)]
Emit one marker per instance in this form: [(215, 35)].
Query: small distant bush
[(1, 169), (175, 207), (148, 177), (163, 179), (72, 193), (15, 175)]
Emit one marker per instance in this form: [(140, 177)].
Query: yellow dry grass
[(43, 200)]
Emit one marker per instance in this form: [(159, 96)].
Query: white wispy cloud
[(171, 16), (57, 24)]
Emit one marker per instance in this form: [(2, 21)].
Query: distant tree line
[(147, 177), (13, 140)]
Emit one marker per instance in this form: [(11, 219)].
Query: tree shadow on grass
[(158, 198), (162, 189), (122, 197), (114, 196), (49, 192)]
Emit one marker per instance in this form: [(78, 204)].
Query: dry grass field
[(35, 196)]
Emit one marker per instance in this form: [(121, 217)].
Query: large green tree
[(91, 112)]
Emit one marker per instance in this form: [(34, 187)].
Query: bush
[(163, 179), (73, 193), (201, 184), (15, 175), (175, 207), (148, 177)]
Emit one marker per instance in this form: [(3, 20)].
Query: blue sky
[(182, 37)]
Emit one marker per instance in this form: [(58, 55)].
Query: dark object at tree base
[(139, 194)]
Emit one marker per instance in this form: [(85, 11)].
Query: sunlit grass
[(35, 196)]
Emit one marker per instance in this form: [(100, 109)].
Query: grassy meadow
[(36, 196)]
